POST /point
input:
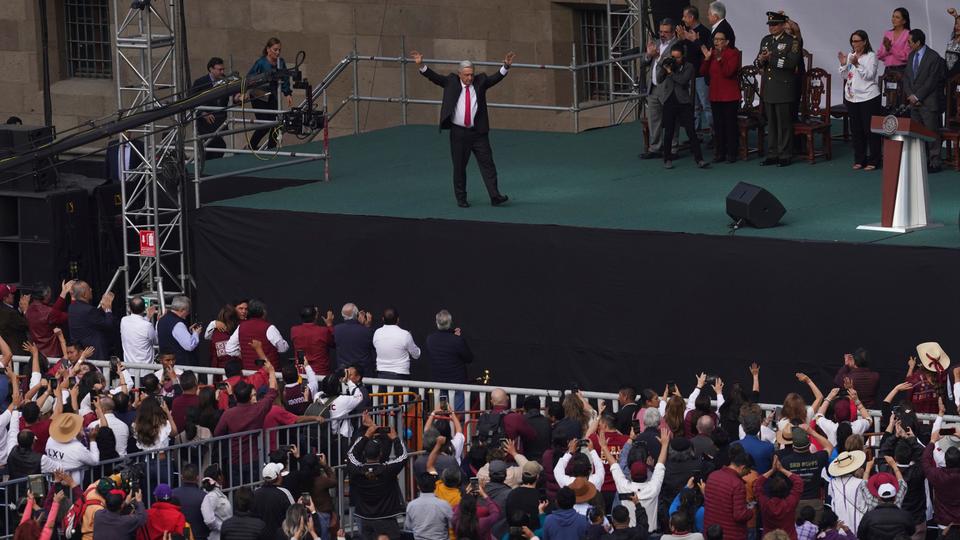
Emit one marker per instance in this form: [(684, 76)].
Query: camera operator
[(374, 488), (677, 76), (117, 522)]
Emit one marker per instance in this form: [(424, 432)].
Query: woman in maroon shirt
[(722, 65)]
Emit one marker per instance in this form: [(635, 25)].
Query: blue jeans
[(322, 525), (702, 114)]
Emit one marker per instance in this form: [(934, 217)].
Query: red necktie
[(466, 107)]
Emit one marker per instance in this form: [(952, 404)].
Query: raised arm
[(6, 355), (755, 373), (434, 454), (62, 340), (817, 394), (430, 74), (834, 392)]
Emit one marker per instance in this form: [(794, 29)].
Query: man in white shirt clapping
[(395, 347)]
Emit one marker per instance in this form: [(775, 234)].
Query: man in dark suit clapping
[(464, 113), (923, 84)]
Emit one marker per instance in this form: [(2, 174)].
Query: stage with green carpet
[(592, 179)]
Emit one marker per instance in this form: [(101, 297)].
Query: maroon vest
[(251, 329), (218, 349), (294, 401), (41, 331)]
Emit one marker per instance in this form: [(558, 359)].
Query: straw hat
[(847, 462), (64, 427), (933, 357), (785, 436)]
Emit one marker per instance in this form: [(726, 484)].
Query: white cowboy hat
[(932, 355), (847, 462)]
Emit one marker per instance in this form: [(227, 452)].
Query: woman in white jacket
[(216, 507), (861, 93)]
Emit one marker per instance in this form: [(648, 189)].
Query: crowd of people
[(695, 83), (708, 464)]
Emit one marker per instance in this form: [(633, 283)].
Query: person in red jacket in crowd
[(314, 339), (722, 65), (234, 376), (164, 517), (42, 317), (778, 502), (725, 496)]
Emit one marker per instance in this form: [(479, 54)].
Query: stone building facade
[(540, 31)]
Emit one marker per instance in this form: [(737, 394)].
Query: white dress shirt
[(395, 348), (273, 336), (653, 70), (138, 337), (458, 113), (860, 81), (121, 431), (187, 339)]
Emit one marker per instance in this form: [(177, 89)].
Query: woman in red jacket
[(722, 65)]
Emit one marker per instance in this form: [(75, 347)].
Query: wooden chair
[(815, 114), (951, 131), (891, 88), (750, 116), (840, 112)]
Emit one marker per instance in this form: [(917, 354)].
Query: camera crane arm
[(152, 115)]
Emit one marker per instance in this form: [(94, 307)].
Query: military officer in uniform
[(778, 58)]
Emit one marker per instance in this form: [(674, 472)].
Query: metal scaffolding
[(625, 22), (147, 73)]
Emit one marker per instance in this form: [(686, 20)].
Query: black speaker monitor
[(754, 206)]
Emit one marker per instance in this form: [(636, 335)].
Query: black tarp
[(546, 305)]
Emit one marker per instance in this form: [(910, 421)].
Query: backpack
[(73, 521), (321, 408), (490, 429)]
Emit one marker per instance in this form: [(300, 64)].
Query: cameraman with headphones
[(374, 489)]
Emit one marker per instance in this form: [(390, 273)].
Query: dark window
[(595, 47), (87, 31)]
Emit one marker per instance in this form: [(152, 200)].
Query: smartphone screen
[(443, 403), (301, 357)]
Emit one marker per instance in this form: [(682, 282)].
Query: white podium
[(905, 201)]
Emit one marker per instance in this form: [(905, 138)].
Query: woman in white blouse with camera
[(859, 70)]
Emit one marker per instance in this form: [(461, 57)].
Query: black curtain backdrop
[(546, 306)]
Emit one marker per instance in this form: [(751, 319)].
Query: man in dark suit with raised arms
[(464, 113)]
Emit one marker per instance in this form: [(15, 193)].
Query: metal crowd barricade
[(476, 396), (11, 492)]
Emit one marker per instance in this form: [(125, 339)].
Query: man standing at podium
[(923, 85)]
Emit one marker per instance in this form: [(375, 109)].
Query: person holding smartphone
[(175, 335)]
